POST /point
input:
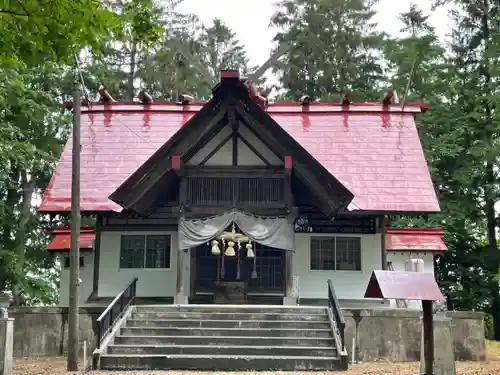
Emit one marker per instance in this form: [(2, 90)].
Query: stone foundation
[(43, 331), (384, 333), (395, 334)]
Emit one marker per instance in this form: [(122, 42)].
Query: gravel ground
[(57, 366)]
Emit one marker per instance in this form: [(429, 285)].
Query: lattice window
[(67, 261), (140, 251), (158, 251), (348, 253), (336, 253)]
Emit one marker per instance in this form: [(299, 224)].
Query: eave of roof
[(62, 239), (415, 239)]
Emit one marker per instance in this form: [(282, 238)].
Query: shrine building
[(239, 201)]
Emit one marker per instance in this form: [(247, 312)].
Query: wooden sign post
[(410, 286)]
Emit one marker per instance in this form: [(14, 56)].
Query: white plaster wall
[(151, 282), (398, 260), (347, 284), (86, 275), (223, 157)]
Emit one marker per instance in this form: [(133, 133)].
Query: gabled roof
[(231, 99), (372, 149)]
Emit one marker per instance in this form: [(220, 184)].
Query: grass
[(493, 350)]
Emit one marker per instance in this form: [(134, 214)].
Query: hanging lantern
[(250, 253), (230, 249)]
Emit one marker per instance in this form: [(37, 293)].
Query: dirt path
[(56, 366)]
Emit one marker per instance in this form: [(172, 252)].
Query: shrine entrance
[(239, 278)]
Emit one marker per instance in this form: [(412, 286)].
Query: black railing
[(338, 315), (115, 310)]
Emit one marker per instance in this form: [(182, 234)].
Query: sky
[(249, 19)]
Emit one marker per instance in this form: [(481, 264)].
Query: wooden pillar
[(180, 297), (289, 298), (289, 272), (428, 326), (97, 256), (384, 222)]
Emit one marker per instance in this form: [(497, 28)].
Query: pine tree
[(333, 48)]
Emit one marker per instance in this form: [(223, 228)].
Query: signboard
[(315, 224)]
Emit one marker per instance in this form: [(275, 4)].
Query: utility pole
[(75, 236)]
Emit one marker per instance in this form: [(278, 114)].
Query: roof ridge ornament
[(104, 96), (145, 97)]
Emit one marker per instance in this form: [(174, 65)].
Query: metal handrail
[(115, 310), (334, 306)]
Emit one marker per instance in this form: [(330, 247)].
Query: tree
[(37, 39), (221, 50), (457, 138), (476, 42), (332, 51), (33, 31), (118, 58), (29, 106)]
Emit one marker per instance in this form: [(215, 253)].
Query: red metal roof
[(373, 150), (403, 285), (62, 240), (415, 239)]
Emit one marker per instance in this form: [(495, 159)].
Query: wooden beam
[(235, 148), (216, 149), (231, 115), (288, 165), (176, 163), (204, 211), (202, 140), (238, 171), (254, 150)]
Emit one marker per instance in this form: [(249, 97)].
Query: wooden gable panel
[(250, 150)]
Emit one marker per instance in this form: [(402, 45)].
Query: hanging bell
[(215, 250), (230, 251), (254, 275), (250, 253)]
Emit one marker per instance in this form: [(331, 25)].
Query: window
[(67, 262), (336, 253), (140, 251)]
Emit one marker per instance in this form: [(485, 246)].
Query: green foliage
[(459, 139), (34, 31), (127, 42), (333, 49)]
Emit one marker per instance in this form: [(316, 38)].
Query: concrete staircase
[(222, 337)]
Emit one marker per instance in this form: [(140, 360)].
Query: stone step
[(150, 315), (257, 324), (217, 362), (309, 351), (224, 340), (234, 309), (241, 332)]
